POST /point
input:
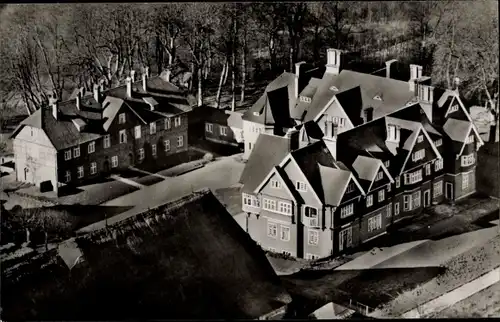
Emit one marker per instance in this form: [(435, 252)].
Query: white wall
[(251, 131), (34, 151)]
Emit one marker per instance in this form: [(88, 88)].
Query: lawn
[(461, 269), (484, 304), (98, 193)]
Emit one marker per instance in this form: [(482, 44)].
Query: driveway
[(221, 173)]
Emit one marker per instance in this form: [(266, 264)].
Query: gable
[(335, 112), (352, 190), (294, 174), (33, 135), (378, 183), (455, 110), (267, 188), (425, 145), (131, 118)]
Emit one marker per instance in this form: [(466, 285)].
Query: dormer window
[(334, 89), (377, 98), (305, 99), (256, 113)]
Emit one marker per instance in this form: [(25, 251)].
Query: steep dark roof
[(334, 182), (223, 117), (394, 94), (270, 107), (187, 259), (268, 151), (457, 130)]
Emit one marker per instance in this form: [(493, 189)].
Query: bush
[(208, 157)]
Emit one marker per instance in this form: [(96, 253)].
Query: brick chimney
[(128, 81), (297, 76), (330, 136), (333, 61), (415, 73), (54, 105), (132, 75), (145, 82), (368, 114), (388, 67), (293, 135), (97, 92)]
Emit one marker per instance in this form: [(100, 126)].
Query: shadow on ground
[(371, 287)]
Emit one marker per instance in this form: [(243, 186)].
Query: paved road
[(221, 173)]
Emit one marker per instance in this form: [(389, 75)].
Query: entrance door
[(449, 191), (427, 198)]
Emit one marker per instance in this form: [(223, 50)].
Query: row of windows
[(283, 206), (76, 151), (418, 155), (250, 200), (381, 197), (411, 201), (468, 160), (272, 231), (177, 122), (80, 171), (210, 129)]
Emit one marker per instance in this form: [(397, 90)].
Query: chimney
[(293, 135), (297, 76), (368, 114), (97, 92), (456, 84), (146, 71), (388, 67), (132, 75), (53, 104), (330, 137), (78, 100), (144, 82), (128, 81), (333, 59), (167, 76), (393, 138)]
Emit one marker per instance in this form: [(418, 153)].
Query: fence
[(360, 307)]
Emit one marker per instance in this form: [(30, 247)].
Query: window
[(167, 124), (167, 145), (275, 184), (398, 181), (345, 238), (387, 163), (107, 141), (67, 155), (153, 149), (137, 132), (305, 99), (177, 121), (381, 195), (350, 187), (311, 256), (301, 186), (285, 233), (470, 139), (380, 175), (468, 160), (389, 211), (223, 130), (454, 108), (91, 147), (209, 128), (392, 133), (272, 230), (311, 213), (388, 187), (420, 139), (76, 152), (407, 202), (80, 172), (333, 88), (428, 169), (418, 155), (67, 176), (313, 237), (123, 136), (347, 210), (180, 141), (141, 154), (114, 161), (269, 204), (121, 118), (152, 128), (285, 207), (438, 142), (369, 201), (375, 223), (414, 177), (438, 189), (250, 200), (438, 165), (93, 168), (396, 209), (416, 199), (465, 181)]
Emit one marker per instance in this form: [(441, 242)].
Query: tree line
[(51, 48)]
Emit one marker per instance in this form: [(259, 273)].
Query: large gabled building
[(370, 150), (141, 122)]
